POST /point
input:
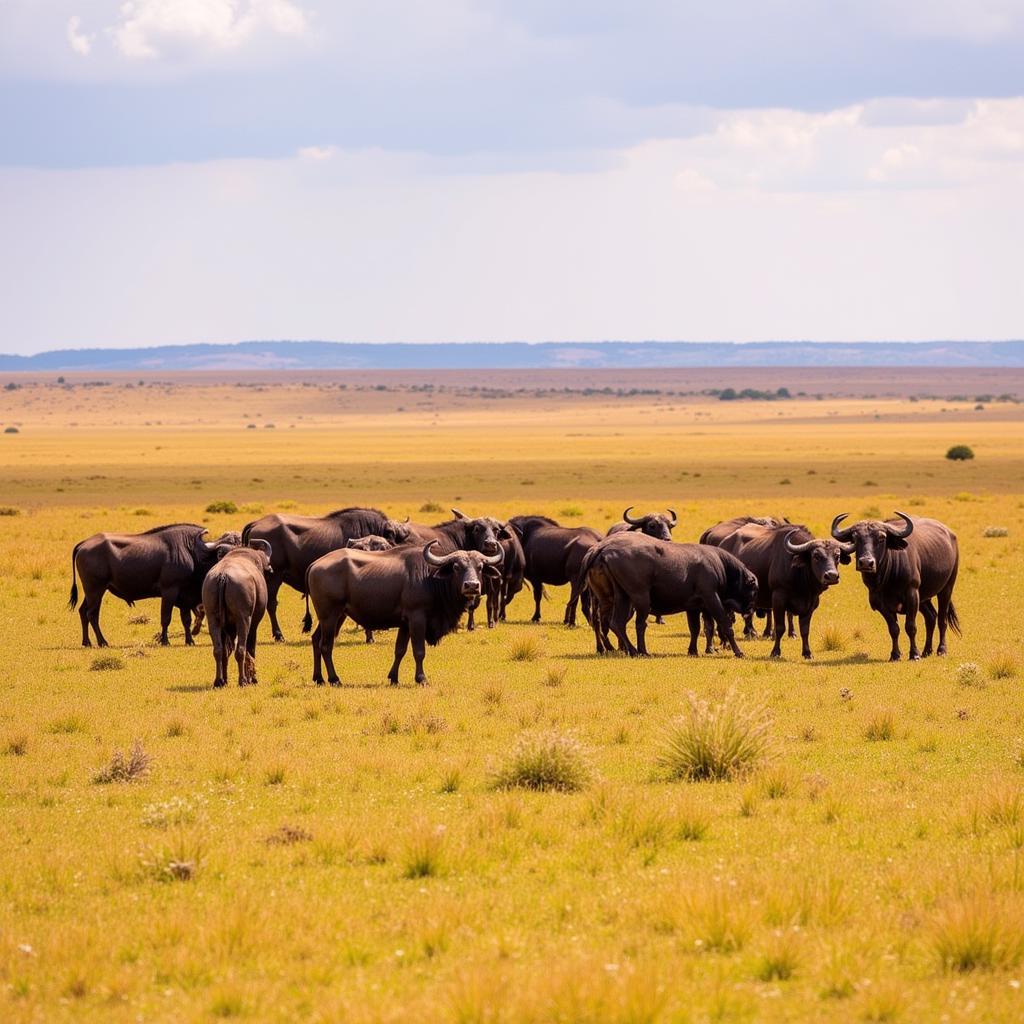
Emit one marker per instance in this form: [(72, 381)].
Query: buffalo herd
[(383, 573)]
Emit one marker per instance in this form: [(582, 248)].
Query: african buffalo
[(169, 562), (298, 541), (235, 599), (630, 572), (716, 534), (421, 593), (654, 524), (904, 563), (793, 570), (370, 543), (513, 568), (553, 556), (460, 534)]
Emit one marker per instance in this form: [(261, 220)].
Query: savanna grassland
[(291, 853)]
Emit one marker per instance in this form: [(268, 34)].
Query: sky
[(176, 171)]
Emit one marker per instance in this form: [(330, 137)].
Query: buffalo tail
[(953, 620), (73, 599)]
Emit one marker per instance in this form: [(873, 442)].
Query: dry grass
[(1003, 666), (979, 933), (125, 767), (525, 648), (880, 727), (716, 741), (545, 761)]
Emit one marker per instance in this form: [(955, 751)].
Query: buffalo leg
[(217, 639), (805, 635), (250, 649), (709, 634), (693, 621), (910, 624), (790, 632), (401, 646), (620, 616), (570, 607), (273, 586), (470, 620), (186, 622), (369, 635), (778, 621), (94, 601), (659, 620), (723, 619), (930, 616), (166, 611), (945, 599), (538, 593), (642, 611), (596, 623), (199, 613), (769, 624), (418, 633), (83, 614), (894, 634), (241, 650), (748, 627), (328, 634), (318, 676)]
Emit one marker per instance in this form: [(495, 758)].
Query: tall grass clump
[(544, 761), (996, 531), (716, 741), (969, 674), (106, 663), (881, 727), (424, 853), (124, 767), (1003, 666), (979, 934), (524, 649), (228, 508), (833, 638)]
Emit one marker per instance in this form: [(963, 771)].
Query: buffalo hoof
[(318, 682), (895, 656), (392, 682), (807, 655), (279, 638), (219, 684), (914, 657), (692, 654), (739, 654), (334, 682), (421, 682), (164, 642), (777, 655), (87, 643), (941, 652), (926, 653), (189, 642)]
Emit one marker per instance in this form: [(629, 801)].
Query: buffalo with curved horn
[(906, 563), (654, 524)]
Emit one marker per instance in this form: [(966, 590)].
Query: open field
[(342, 854)]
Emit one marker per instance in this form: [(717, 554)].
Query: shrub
[(10, 430), (719, 923), (17, 746), (142, 512), (881, 727), (832, 638), (431, 506), (222, 507), (571, 511), (555, 675), (960, 453), (716, 741), (969, 674), (524, 649), (125, 767), (287, 835), (423, 853), (106, 663), (779, 962), (545, 761), (9, 510), (1003, 666), (995, 531), (979, 934)]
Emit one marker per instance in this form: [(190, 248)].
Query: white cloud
[(150, 28), (318, 153), (79, 41)]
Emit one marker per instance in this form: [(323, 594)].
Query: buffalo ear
[(845, 558), (895, 543), (223, 549), (493, 571)]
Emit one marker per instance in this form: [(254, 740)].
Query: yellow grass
[(302, 853)]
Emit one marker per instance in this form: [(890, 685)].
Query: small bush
[(9, 510), (288, 835), (780, 960), (10, 430), (716, 741), (524, 649), (423, 854), (16, 746), (555, 675), (125, 767), (995, 531), (1003, 666), (545, 761), (959, 453), (142, 512), (881, 727), (833, 639), (969, 674), (222, 508), (450, 781), (106, 663), (979, 934), (175, 728), (431, 506), (179, 862), (570, 512), (719, 923), (274, 777)]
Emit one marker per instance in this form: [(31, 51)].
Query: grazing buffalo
[(421, 593), (298, 541), (793, 570), (554, 555), (716, 534), (460, 534), (513, 571), (904, 563), (654, 524), (235, 599), (169, 562), (631, 572)]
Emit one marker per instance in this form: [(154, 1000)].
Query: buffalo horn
[(261, 545), (431, 559), (675, 518), (627, 518), (840, 535), (797, 549), (905, 531)]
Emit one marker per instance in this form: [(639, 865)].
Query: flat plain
[(295, 852)]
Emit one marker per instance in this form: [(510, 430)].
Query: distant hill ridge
[(333, 355)]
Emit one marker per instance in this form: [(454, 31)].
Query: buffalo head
[(372, 542), (481, 534), (466, 568), (822, 557), (871, 538), (654, 524), (394, 532)]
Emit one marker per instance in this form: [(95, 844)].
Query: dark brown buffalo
[(654, 524), (904, 563), (419, 592), (716, 534), (298, 541), (371, 543), (631, 572), (169, 562), (235, 599), (513, 569), (554, 555), (793, 570), (460, 534)]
